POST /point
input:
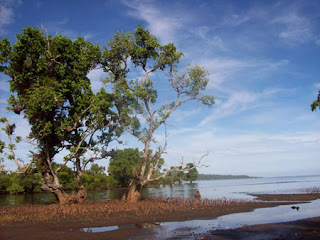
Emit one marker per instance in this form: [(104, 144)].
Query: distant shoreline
[(218, 177)]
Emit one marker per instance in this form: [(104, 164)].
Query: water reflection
[(125, 226), (35, 198)]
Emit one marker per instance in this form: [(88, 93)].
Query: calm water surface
[(231, 188)]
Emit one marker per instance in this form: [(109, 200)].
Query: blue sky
[(263, 58)]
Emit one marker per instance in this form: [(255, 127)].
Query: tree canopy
[(140, 51)]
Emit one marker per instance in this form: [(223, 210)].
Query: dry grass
[(91, 211)]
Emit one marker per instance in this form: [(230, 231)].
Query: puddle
[(113, 228), (167, 230), (100, 229)]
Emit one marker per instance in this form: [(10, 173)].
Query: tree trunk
[(134, 193), (79, 170), (61, 196)]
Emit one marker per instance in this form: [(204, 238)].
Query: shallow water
[(259, 216), (231, 188)]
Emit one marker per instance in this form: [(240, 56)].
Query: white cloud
[(95, 75), (317, 85), (240, 101), (161, 23), (237, 102), (6, 17), (296, 28), (255, 153)]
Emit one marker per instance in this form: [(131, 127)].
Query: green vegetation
[(148, 56), (124, 165), (192, 174), (50, 87), (93, 179)]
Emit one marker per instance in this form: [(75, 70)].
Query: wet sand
[(308, 229), (72, 228)]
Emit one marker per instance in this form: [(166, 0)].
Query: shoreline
[(308, 229), (70, 224)]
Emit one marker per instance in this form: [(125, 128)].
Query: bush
[(15, 188)]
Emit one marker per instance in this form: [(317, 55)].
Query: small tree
[(147, 55), (124, 165), (192, 174)]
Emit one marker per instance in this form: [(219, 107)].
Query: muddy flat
[(53, 222)]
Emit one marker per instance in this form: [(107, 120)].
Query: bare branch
[(179, 169)]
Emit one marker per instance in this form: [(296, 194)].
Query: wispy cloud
[(7, 13), (6, 17), (224, 69), (296, 28), (244, 152), (161, 23), (240, 101), (203, 32)]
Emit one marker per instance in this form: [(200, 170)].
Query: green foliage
[(95, 178), (96, 169), (49, 79), (173, 177), (50, 87), (316, 103), (5, 181), (15, 188), (125, 165), (148, 55), (192, 174), (67, 178)]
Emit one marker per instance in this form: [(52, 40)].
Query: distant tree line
[(216, 176)]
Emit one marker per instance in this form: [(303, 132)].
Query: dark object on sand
[(294, 207), (197, 195)]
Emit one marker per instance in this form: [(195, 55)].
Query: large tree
[(140, 51), (48, 78)]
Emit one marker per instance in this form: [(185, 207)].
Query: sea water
[(224, 188)]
